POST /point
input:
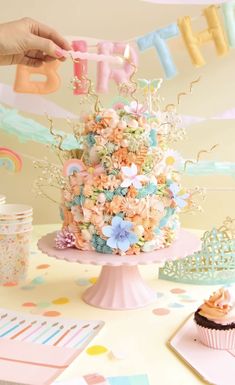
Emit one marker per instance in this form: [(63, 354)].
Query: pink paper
[(35, 104)]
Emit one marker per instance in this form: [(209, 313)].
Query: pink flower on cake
[(92, 172), (131, 178), (135, 108), (64, 239)]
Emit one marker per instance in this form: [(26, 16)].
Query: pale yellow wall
[(120, 20)]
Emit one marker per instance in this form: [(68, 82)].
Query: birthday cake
[(123, 196)]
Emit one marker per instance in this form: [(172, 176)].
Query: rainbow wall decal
[(10, 159)]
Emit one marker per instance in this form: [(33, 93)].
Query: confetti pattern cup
[(15, 236)]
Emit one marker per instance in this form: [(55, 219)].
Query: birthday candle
[(76, 334), (8, 323), (94, 57), (23, 330), (86, 336), (44, 332), (80, 68), (34, 331), (52, 335), (11, 329), (64, 335)]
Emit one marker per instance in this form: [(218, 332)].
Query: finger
[(34, 54), (45, 46), (44, 31), (31, 62)]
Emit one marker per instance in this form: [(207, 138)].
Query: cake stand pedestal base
[(120, 285), (118, 288)]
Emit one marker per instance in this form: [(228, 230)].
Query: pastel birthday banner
[(116, 60)]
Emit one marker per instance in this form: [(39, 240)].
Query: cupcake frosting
[(219, 307)]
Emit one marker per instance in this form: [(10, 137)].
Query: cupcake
[(215, 321)]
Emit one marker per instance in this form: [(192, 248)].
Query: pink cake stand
[(120, 285)]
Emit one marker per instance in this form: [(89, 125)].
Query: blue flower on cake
[(131, 177), (119, 234), (179, 197)]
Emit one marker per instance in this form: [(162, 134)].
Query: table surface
[(140, 335)]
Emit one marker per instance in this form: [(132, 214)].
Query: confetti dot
[(93, 280), (52, 313), (159, 295), (95, 350), (175, 305), (29, 287), (60, 301), (43, 305), (185, 296), (38, 280), (10, 284), (29, 304), (82, 282), (177, 290), (41, 267), (161, 311)]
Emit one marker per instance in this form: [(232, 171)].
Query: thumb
[(45, 45)]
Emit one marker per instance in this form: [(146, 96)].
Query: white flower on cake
[(172, 159), (131, 178)]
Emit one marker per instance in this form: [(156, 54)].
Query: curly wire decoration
[(90, 90), (59, 138), (179, 96), (199, 154)]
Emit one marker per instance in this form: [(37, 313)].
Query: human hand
[(26, 41)]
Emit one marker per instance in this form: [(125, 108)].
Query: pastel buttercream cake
[(123, 196)]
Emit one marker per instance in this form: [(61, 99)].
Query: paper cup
[(14, 256), (15, 235), (13, 211)]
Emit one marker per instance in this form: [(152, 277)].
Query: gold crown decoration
[(213, 264)]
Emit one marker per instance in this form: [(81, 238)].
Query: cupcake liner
[(217, 338)]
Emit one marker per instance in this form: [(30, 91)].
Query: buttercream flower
[(87, 190), (77, 213), (115, 205), (135, 108), (131, 177), (119, 234), (180, 198), (218, 305), (132, 192), (91, 172), (64, 239), (172, 160)]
